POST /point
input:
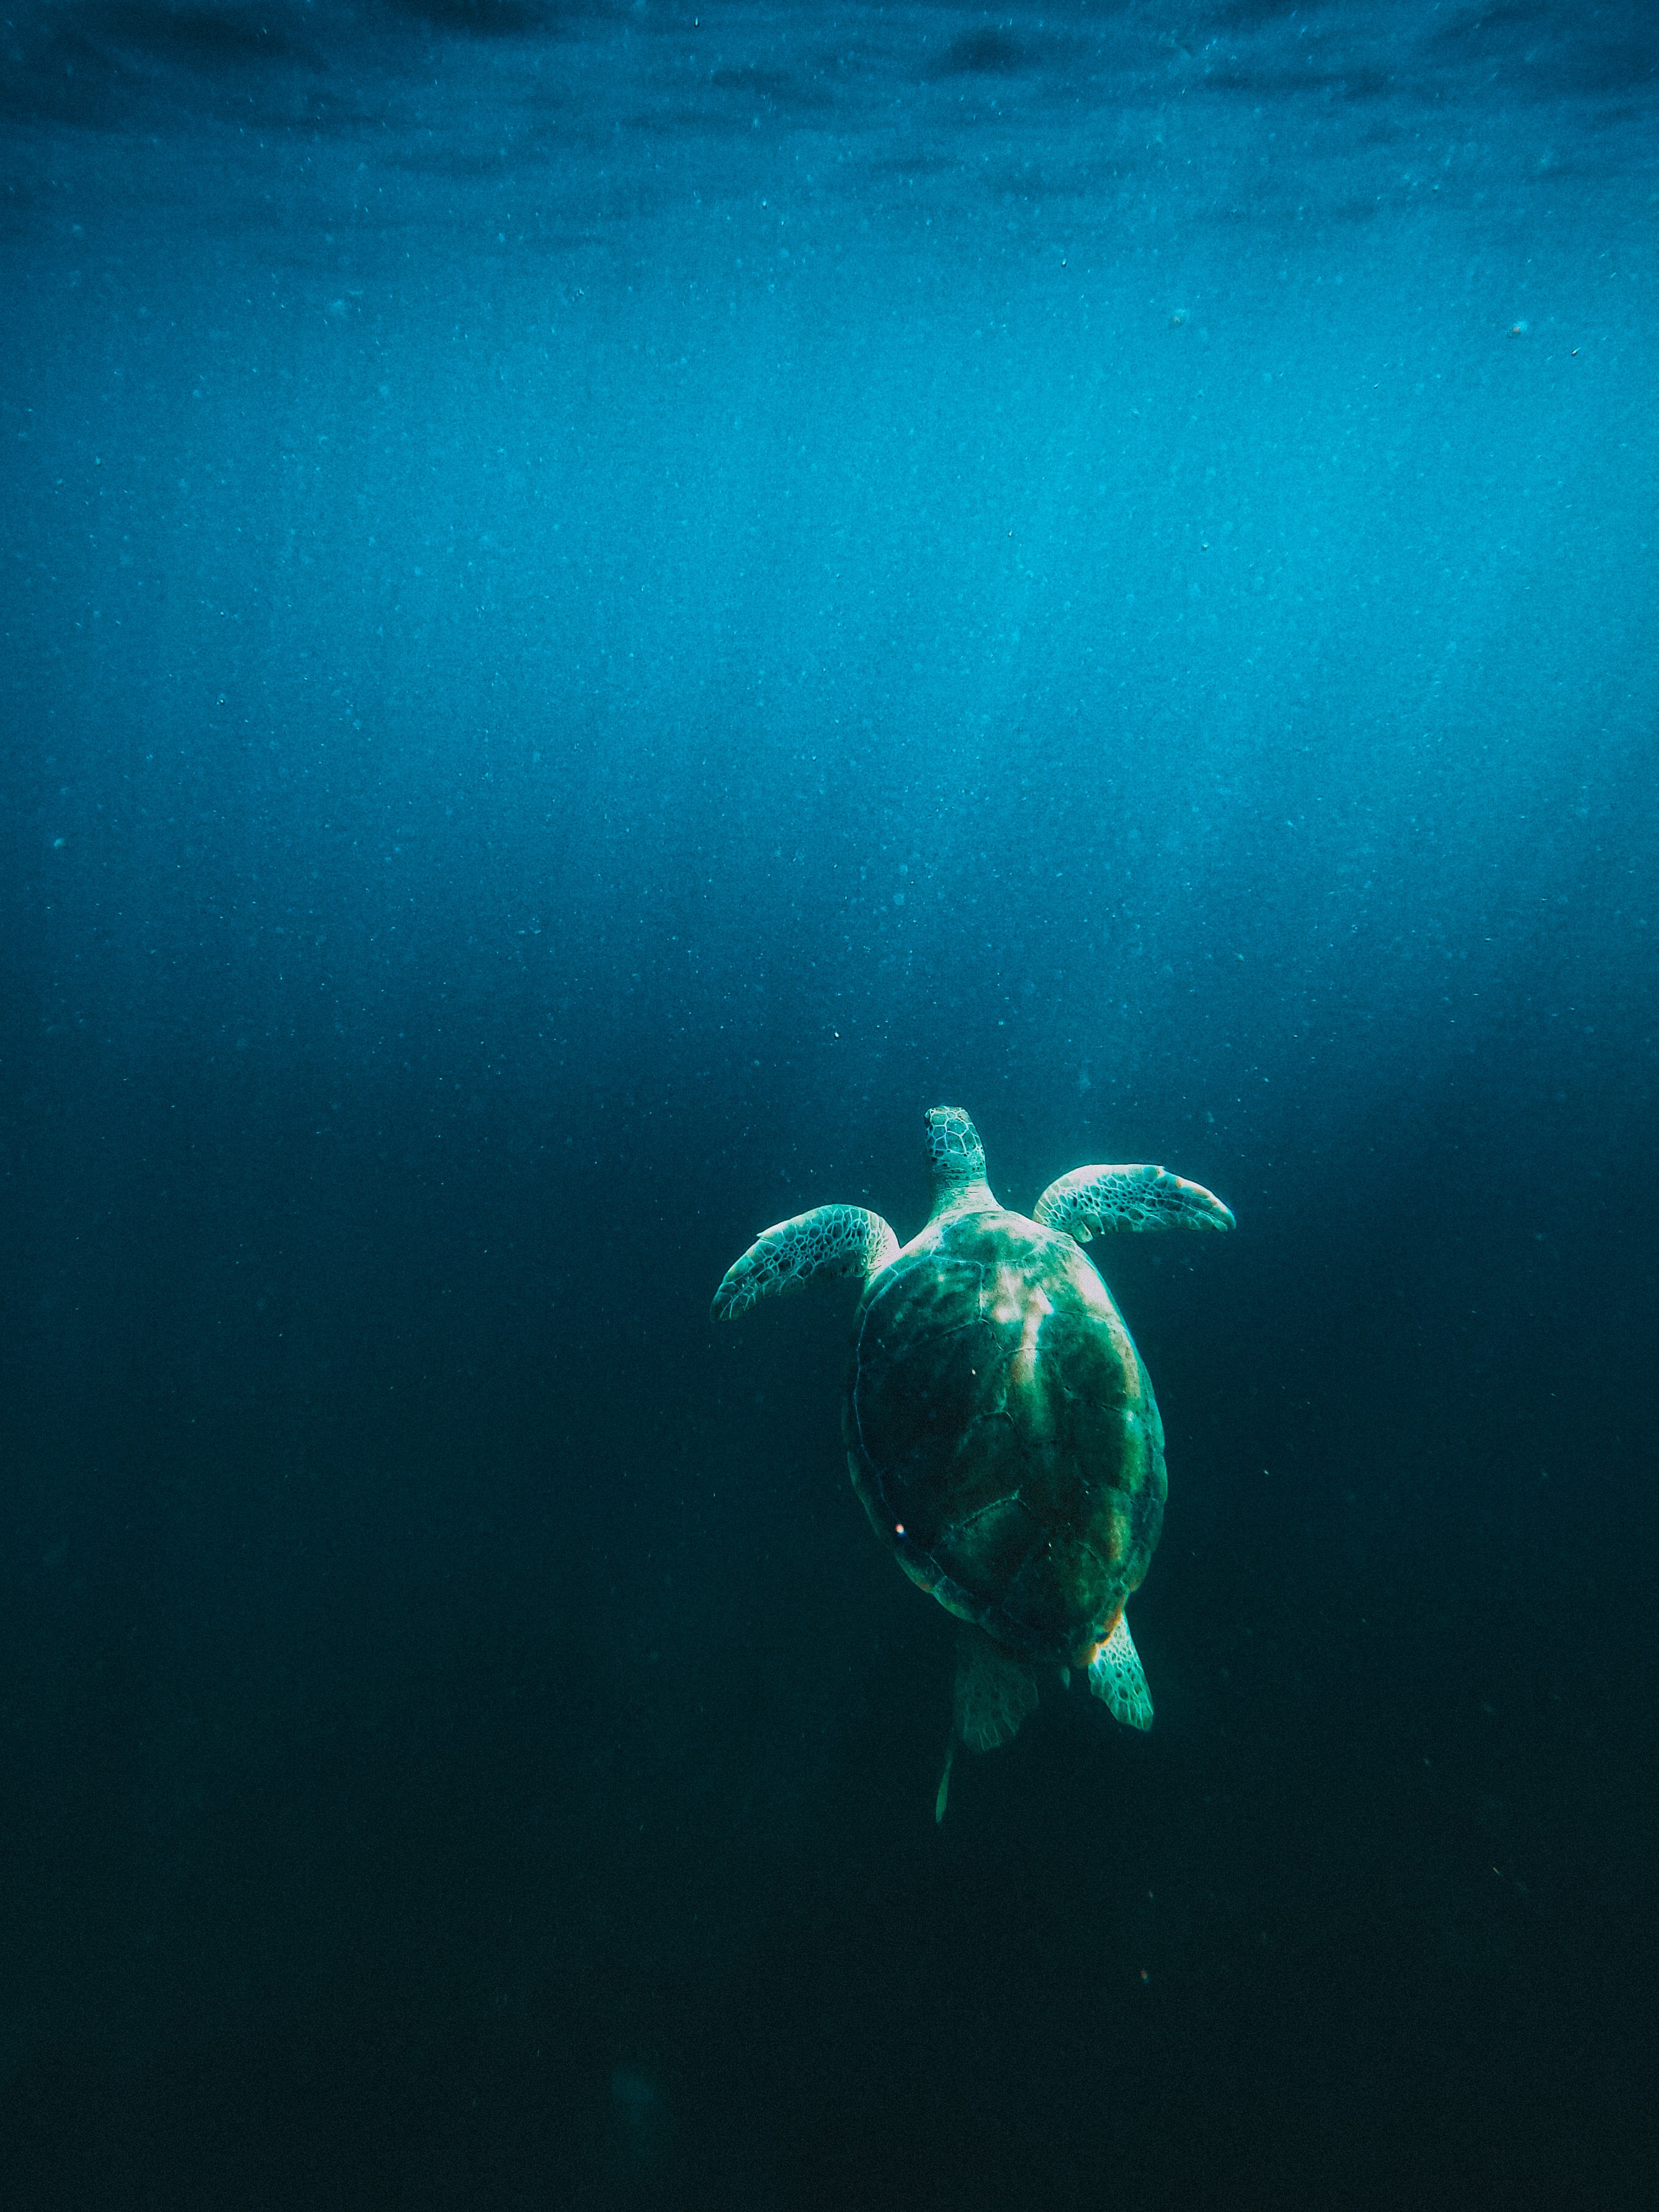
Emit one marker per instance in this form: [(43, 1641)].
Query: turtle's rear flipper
[(1117, 1678), (994, 1691), (1090, 1199)]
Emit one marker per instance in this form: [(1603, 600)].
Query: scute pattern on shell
[(1002, 1433)]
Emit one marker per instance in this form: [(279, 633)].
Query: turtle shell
[(1002, 1433)]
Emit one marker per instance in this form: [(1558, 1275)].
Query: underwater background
[(601, 605)]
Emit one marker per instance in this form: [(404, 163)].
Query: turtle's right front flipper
[(1090, 1199), (830, 1240)]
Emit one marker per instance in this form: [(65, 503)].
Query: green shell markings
[(1000, 1428)]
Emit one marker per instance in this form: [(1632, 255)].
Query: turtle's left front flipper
[(830, 1240), (1090, 1199)]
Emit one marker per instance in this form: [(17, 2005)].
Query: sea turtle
[(999, 1426)]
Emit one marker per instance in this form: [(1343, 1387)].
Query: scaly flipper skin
[(1090, 1199), (995, 1691), (1117, 1679), (830, 1240)]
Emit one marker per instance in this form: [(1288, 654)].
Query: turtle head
[(956, 1158)]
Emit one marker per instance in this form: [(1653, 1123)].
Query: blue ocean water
[(601, 605)]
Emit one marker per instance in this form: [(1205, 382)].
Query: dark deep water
[(600, 606)]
